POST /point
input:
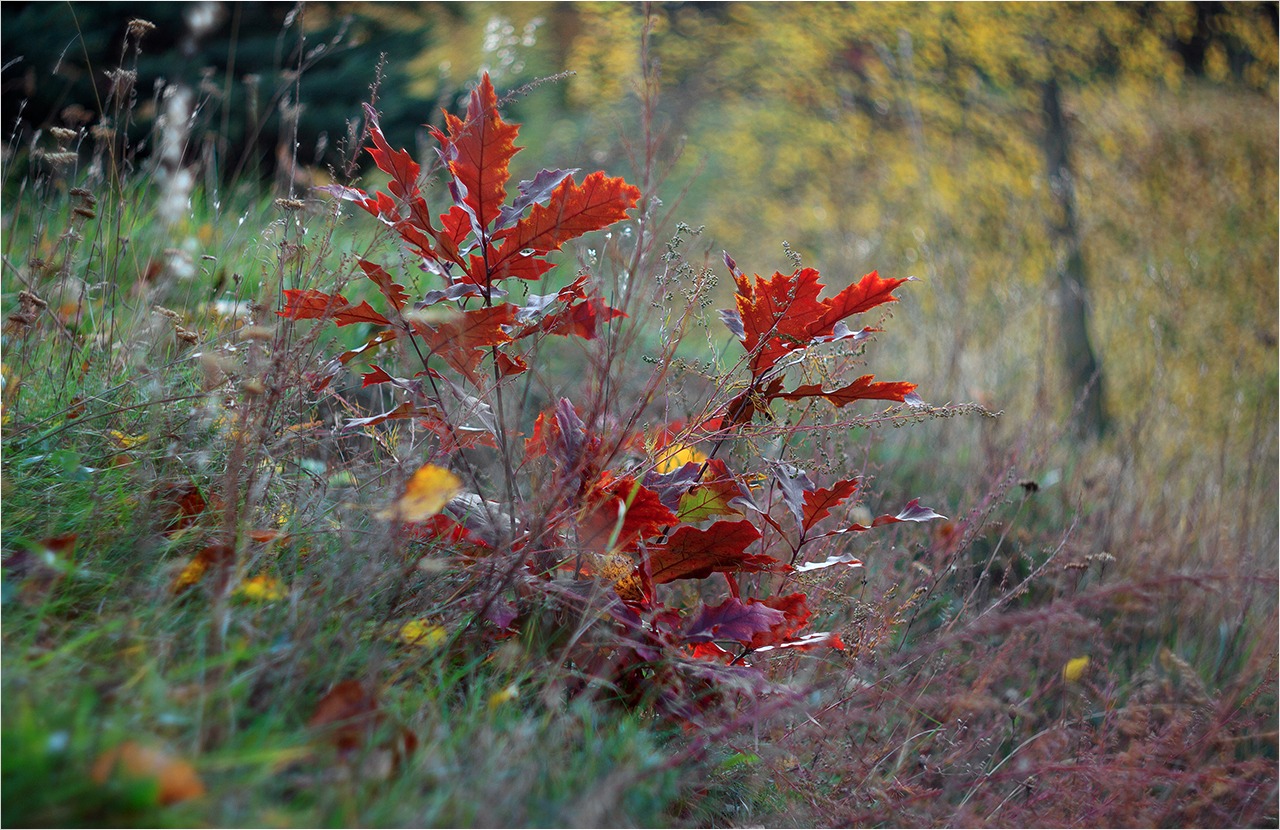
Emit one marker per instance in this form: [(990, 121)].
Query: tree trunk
[(1083, 371)]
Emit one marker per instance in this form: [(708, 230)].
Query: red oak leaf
[(819, 503), (734, 620), (520, 267), (309, 304), (809, 642), (393, 291), (621, 511), (913, 512), (796, 615), (783, 313), (719, 493), (691, 553), (458, 339), (479, 149), (404, 172), (404, 410), (371, 345), (861, 389), (572, 211)]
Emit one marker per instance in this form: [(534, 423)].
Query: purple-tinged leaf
[(349, 194), (671, 486), (732, 266), (913, 400), (842, 559), (913, 512), (808, 641), (732, 620), (572, 433), (733, 320), (532, 192), (458, 191), (404, 410), (453, 292), (794, 482)]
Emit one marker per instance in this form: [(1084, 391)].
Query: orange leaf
[(176, 780), (211, 556)]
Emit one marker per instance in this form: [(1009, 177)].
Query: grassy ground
[(1075, 646)]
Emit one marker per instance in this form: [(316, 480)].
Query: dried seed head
[(26, 298), (138, 27), (63, 135), (76, 115), (60, 160), (122, 82), (260, 333), (289, 204)]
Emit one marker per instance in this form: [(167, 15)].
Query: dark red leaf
[(373, 343), (309, 304), (457, 340), (819, 503), (404, 410), (913, 512), (375, 375), (393, 291), (796, 615), (861, 389), (691, 553), (398, 164), (621, 511)]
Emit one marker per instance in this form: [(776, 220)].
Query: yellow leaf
[(427, 493), (126, 442), (261, 588), (422, 633), (676, 456), (511, 692), (1074, 670)]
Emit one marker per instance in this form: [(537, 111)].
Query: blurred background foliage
[(908, 138)]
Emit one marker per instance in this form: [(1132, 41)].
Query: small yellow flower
[(1074, 669), (422, 633), (261, 588)]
